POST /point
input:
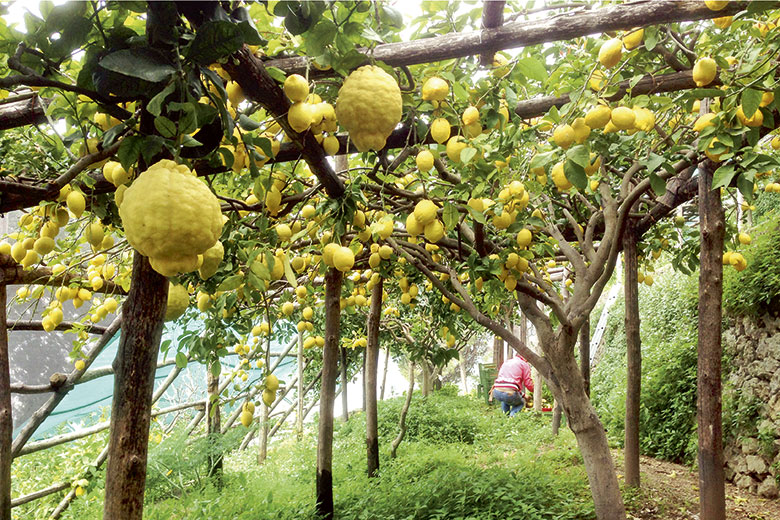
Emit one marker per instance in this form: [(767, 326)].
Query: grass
[(462, 460)]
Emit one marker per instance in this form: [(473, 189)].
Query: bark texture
[(6, 420), (711, 475), (213, 427), (344, 382), (330, 360), (585, 355), (372, 366), (633, 358), (404, 411), (134, 367)]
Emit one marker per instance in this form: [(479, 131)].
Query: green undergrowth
[(461, 459)]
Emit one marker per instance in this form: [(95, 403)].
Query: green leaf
[(276, 73), (320, 36), (288, 272), (214, 40), (653, 162), (751, 98), (467, 154), (230, 283), (250, 34), (542, 159), (745, 186), (450, 216), (478, 216), (532, 68), (130, 150), (143, 63), (576, 174), (651, 38), (723, 176), (165, 126), (579, 154), (215, 368), (181, 360), (260, 270), (658, 184), (154, 106)]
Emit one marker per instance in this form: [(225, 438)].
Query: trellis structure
[(145, 302)]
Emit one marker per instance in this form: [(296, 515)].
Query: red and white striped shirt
[(515, 373)]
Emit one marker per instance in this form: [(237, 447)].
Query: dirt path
[(671, 492)]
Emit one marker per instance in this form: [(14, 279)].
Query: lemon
[(644, 120), (704, 71), (581, 130), (454, 146), (597, 81), (235, 93), (369, 106), (648, 279), (633, 39), (500, 66), (283, 231), (440, 130), (178, 301), (269, 397), (273, 201), (598, 117), (435, 89), (90, 146), (744, 239), (44, 245), (623, 118), (171, 216), (5, 248), (504, 220), (434, 231), (343, 259), (703, 121), (424, 160), (473, 130), (563, 136), (296, 88), (425, 212), (212, 257), (610, 52), (559, 177), (385, 251), (595, 162), (766, 99), (524, 237), (714, 157), (115, 173), (94, 233), (246, 418), (327, 253), (308, 211), (331, 145), (76, 203), (104, 121), (271, 383), (18, 251), (716, 5), (757, 119), (413, 227), (470, 116), (80, 365), (299, 116), (724, 22)]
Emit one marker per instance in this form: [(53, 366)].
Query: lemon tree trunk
[(134, 368), (588, 430), (633, 358), (6, 421), (711, 475), (213, 427), (330, 372), (372, 366)]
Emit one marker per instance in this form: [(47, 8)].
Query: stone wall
[(752, 402)]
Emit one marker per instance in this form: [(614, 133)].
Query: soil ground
[(671, 492)]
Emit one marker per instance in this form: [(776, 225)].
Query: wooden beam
[(6, 411), (566, 26), (11, 273), (26, 111), (89, 328), (492, 17), (649, 84)]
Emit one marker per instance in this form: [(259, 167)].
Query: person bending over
[(514, 377)]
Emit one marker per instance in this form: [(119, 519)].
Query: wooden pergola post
[(6, 419), (633, 358)]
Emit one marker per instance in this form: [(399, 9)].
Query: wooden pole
[(712, 224), (299, 418), (344, 382), (213, 427), (633, 358), (372, 362), (384, 375), (134, 366), (330, 358), (585, 354), (6, 419)]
